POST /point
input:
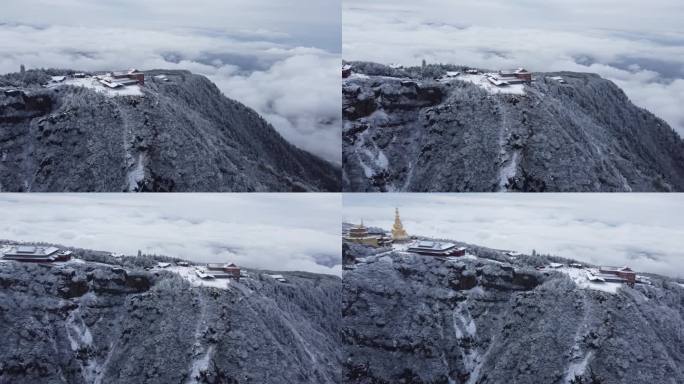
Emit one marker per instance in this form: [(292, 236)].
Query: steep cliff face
[(181, 134), (89, 322), (403, 133), (420, 319)]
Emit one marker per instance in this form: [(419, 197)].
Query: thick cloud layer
[(640, 48), (270, 231), (644, 231), (282, 59)]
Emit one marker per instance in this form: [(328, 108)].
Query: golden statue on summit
[(398, 232)]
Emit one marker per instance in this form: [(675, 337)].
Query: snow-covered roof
[(453, 73), (496, 81), (58, 78), (26, 249), (346, 67), (277, 276), (555, 265), (30, 250), (433, 245)]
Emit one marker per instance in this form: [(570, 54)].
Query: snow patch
[(92, 83), (508, 171), (188, 273), (482, 82), (577, 368), (579, 276), (463, 322), (137, 174), (200, 365), (358, 76)]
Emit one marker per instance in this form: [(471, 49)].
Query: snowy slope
[(404, 131), (179, 134), (489, 318), (112, 322)]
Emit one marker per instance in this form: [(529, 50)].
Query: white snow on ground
[(366, 169), (401, 246), (77, 332), (80, 337), (358, 76), (464, 326), (482, 82), (380, 159), (200, 365), (508, 171), (131, 90), (579, 276), (681, 285), (577, 368), (379, 117), (463, 322), (188, 273), (137, 174)]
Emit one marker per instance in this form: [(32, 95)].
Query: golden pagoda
[(398, 232)]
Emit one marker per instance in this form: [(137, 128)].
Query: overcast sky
[(281, 57), (270, 231), (644, 231), (639, 45)]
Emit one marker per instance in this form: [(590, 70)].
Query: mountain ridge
[(489, 317), (105, 319), (182, 134), (413, 129)]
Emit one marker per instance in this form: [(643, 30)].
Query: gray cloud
[(282, 59), (270, 231), (640, 48), (644, 231)]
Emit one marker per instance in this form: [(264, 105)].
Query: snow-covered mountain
[(441, 129), (175, 133), (489, 317), (106, 319)]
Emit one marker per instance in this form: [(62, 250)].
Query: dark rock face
[(408, 134), (183, 135), (94, 323), (419, 319)]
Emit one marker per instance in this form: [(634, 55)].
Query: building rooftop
[(29, 250), (433, 245)]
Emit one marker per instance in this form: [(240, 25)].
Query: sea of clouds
[(644, 231), (639, 47), (281, 59), (269, 231)]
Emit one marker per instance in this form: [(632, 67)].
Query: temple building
[(398, 232), (359, 234), (618, 275), (224, 271), (436, 248), (35, 253)]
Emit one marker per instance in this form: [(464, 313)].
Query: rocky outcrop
[(420, 319), (406, 132), (87, 322), (181, 135)]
